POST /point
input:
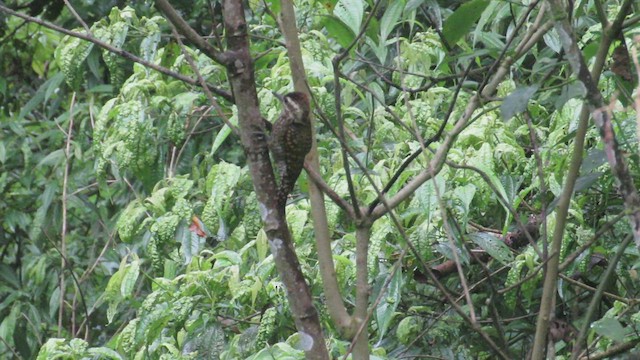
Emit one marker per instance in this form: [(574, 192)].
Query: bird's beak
[(280, 97)]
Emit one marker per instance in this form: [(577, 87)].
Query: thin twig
[(78, 18), (63, 231)]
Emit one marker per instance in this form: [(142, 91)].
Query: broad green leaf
[(460, 22), (594, 159), (465, 194), (54, 158), (552, 40), (112, 310), (152, 323), (414, 4), (389, 303), (36, 100), (296, 219), (149, 44), (408, 329), (280, 351), (510, 184), (8, 325), (390, 19), (129, 278), (222, 135), (584, 182), (493, 246), (104, 353), (517, 101), (262, 245), (379, 232), (50, 349), (351, 13), (54, 302), (611, 328), (338, 30), (53, 85), (190, 243), (274, 5), (226, 258)]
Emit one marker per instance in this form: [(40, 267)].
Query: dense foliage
[(130, 225)]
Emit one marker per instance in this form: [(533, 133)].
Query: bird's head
[(297, 104)]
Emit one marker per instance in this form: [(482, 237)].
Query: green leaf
[(594, 159), (8, 325), (152, 323), (104, 353), (510, 184), (54, 158), (112, 292), (222, 135), (190, 243), (50, 349), (493, 246), (408, 329), (3, 152), (459, 23), (338, 30), (262, 245), (517, 101), (53, 85), (413, 4), (390, 19), (37, 99), (296, 219), (552, 39), (226, 258), (390, 300), (350, 12), (611, 328), (129, 279), (274, 5)]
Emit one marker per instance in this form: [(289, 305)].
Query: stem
[(335, 305)]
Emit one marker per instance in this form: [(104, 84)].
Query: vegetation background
[(472, 191)]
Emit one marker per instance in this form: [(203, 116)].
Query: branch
[(432, 139), (242, 78), (324, 187), (334, 299), (593, 104), (191, 35), (499, 71), (514, 240), (338, 102)]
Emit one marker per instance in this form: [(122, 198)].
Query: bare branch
[(191, 35)]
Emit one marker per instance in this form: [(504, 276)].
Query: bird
[(290, 141)]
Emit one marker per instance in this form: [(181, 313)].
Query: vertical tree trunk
[(361, 349), (241, 75)]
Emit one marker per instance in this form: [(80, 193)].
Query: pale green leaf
[(351, 13), (129, 279), (493, 246), (390, 19), (390, 301)]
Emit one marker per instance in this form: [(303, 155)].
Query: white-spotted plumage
[(290, 142)]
